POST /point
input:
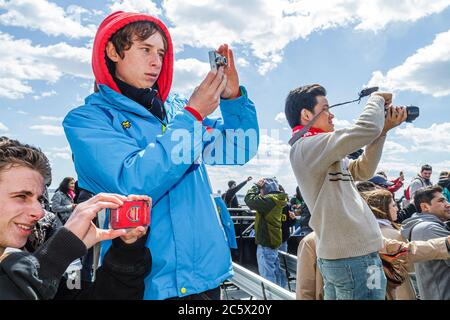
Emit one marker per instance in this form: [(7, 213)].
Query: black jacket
[(230, 195), (286, 223), (25, 276), (405, 213)]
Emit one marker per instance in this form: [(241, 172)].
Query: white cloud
[(281, 118), (241, 62), (47, 17), (435, 139), (267, 27), (391, 148), (3, 127), (143, 6), (23, 112), (51, 118), (45, 94), (13, 89), (49, 130), (426, 71), (188, 74), (23, 62)]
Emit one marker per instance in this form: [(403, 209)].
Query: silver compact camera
[(216, 60)]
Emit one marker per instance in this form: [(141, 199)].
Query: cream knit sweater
[(344, 224)]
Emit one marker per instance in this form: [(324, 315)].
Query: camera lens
[(221, 61), (412, 113)]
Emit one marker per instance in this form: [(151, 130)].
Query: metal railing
[(257, 286)]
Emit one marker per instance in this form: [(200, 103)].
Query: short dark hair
[(425, 195), (13, 153), (230, 183), (123, 38), (299, 99), (426, 167)]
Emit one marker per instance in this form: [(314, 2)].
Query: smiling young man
[(348, 236), (126, 139), (433, 277), (36, 276)]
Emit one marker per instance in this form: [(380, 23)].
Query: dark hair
[(123, 38), (425, 195), (364, 186), (299, 99), (426, 167), (64, 185), (13, 153), (230, 183)]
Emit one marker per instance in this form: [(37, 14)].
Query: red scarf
[(311, 132)]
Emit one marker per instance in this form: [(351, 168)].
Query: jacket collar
[(112, 99)]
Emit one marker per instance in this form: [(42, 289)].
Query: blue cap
[(381, 181)]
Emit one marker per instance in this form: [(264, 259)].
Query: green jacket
[(269, 209)]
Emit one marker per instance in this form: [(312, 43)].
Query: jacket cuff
[(234, 106), (58, 252), (195, 113), (375, 98)]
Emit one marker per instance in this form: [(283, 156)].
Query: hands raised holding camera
[(220, 83)]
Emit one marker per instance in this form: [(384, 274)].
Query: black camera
[(216, 60), (412, 113)]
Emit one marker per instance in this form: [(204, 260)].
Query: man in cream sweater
[(348, 236)]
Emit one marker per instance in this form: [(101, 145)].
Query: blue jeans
[(356, 278), (269, 264)]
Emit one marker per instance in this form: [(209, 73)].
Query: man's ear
[(424, 207), (111, 52), (305, 114)]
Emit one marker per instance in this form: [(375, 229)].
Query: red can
[(131, 214)]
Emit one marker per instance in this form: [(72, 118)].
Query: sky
[(401, 46)]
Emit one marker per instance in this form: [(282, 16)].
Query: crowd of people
[(358, 242)]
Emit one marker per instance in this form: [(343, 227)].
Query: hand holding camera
[(231, 90), (206, 97), (80, 222), (394, 117)]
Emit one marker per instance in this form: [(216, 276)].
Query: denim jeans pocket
[(339, 282)]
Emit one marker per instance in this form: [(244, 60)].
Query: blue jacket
[(120, 147)]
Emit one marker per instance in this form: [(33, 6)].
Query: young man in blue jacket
[(132, 136)]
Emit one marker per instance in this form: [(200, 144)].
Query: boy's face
[(142, 63), (325, 120), (21, 190)]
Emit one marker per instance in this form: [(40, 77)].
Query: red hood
[(107, 28)]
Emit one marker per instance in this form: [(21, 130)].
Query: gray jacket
[(62, 205), (433, 277), (416, 184)]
